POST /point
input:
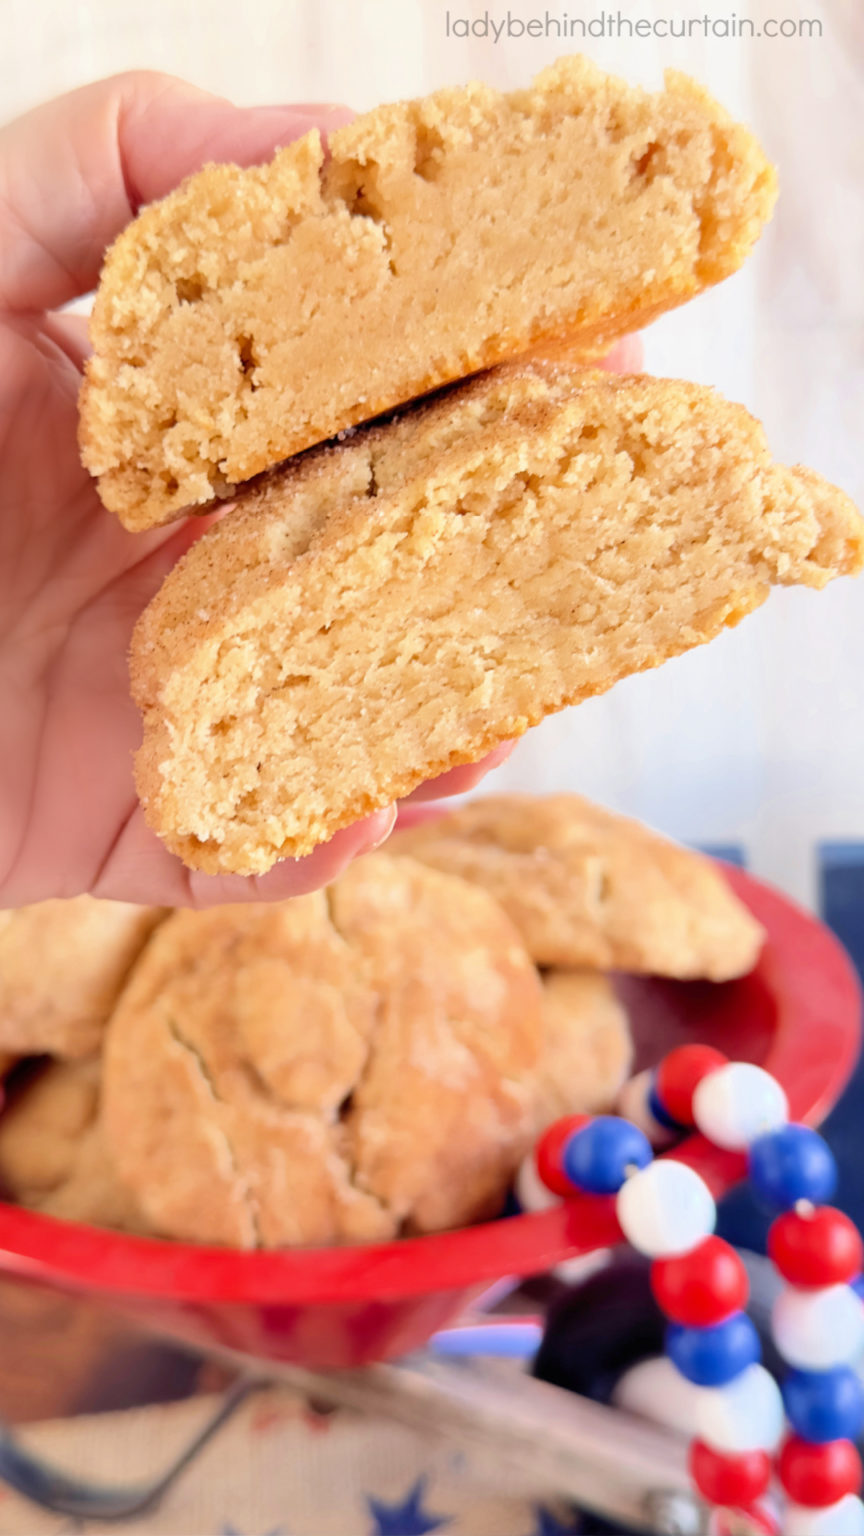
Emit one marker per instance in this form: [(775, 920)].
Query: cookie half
[(340, 1068), (384, 609), (253, 313), (585, 887)]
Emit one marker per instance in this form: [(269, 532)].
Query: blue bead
[(596, 1158), (711, 1357), (657, 1108), (790, 1164), (824, 1405), (857, 1285)]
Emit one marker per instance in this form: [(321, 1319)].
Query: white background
[(757, 738)]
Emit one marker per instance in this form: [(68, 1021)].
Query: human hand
[(72, 580)]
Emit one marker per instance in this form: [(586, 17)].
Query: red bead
[(701, 1287), (547, 1154), (817, 1475), (679, 1075), (733, 1481), (823, 1248)]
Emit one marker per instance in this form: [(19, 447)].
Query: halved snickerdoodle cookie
[(381, 610), (253, 313)]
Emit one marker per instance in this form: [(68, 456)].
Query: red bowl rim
[(813, 1051)]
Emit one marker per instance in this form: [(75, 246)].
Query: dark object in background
[(598, 1330), (595, 1332)]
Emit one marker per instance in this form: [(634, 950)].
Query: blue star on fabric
[(407, 1518), (548, 1525)]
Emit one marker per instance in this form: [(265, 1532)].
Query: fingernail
[(380, 825)]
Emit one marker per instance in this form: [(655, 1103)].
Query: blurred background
[(754, 743)]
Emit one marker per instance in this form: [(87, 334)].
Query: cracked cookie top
[(343, 1067)]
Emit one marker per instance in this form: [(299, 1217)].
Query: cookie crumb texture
[(345, 1067), (256, 312), (587, 888), (386, 608)]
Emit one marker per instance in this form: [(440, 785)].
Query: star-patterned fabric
[(406, 1517), (277, 1469)]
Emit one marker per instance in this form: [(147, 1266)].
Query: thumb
[(75, 171)]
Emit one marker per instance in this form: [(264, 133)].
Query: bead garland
[(667, 1212)]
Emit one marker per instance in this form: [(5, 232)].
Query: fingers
[(416, 815), (70, 332), (74, 171), (457, 781), (627, 356), (296, 877), (140, 869)]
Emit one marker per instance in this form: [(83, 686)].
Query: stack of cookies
[(379, 603), (368, 1061)]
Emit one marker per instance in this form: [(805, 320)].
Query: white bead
[(632, 1105), (745, 1415), (815, 1330), (530, 1191), (655, 1390), (737, 1103), (845, 1518), (665, 1209)]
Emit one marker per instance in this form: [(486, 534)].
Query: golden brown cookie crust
[(587, 1046), (385, 609), (587, 888), (62, 966), (53, 1156), (338, 1068), (253, 313)]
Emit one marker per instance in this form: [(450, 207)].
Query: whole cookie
[(587, 1046), (339, 1068), (62, 966), (53, 1156), (587, 888)]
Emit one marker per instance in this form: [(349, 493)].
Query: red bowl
[(798, 1013)]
